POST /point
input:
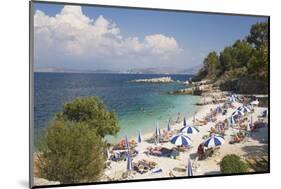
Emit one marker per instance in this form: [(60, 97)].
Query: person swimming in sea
[(142, 109)]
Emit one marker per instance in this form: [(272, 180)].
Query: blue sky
[(196, 34)]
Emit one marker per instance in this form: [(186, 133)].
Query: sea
[(139, 106)]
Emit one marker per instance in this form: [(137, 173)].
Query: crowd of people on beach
[(240, 122)]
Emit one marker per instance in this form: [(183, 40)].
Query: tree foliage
[(92, 111), (245, 58), (232, 163), (211, 64), (258, 34), (70, 153)]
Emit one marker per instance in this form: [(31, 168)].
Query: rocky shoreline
[(154, 80), (238, 86)]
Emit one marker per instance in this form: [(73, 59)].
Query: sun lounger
[(163, 152)]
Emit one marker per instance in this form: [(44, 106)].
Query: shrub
[(233, 164), (92, 111), (70, 153)]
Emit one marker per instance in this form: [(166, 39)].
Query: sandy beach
[(252, 146)]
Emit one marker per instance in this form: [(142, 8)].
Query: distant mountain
[(166, 70), (66, 70), (163, 70), (193, 70)]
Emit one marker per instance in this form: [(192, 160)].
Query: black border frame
[(31, 98)]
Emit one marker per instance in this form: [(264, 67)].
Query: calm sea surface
[(138, 105)]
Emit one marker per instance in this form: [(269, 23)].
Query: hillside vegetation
[(245, 60)]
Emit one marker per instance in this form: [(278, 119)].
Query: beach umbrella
[(237, 112), (234, 96), (264, 113), (139, 137), (126, 142), (169, 127), (246, 109), (184, 122), (180, 139), (219, 109), (189, 172), (249, 126), (214, 141), (243, 109), (231, 120), (232, 99), (157, 131), (255, 102), (129, 163), (189, 130), (107, 154)]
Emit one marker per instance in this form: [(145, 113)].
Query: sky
[(119, 39)]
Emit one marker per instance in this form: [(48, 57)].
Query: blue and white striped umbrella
[(139, 137), (243, 109), (255, 102), (247, 109), (169, 127), (189, 171), (232, 120), (184, 122), (180, 139), (214, 141), (126, 142), (129, 163), (238, 112), (232, 99), (264, 113), (157, 131), (189, 130)]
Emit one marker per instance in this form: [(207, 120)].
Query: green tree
[(232, 163), (247, 58), (258, 34), (242, 52), (258, 63), (227, 60), (70, 153), (92, 111), (211, 65)]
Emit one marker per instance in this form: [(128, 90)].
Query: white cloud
[(73, 34), (162, 45)]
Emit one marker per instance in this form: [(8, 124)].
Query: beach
[(253, 146)]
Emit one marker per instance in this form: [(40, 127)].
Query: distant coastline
[(162, 71)]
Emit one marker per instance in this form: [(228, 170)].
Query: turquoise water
[(146, 121), (138, 105)]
